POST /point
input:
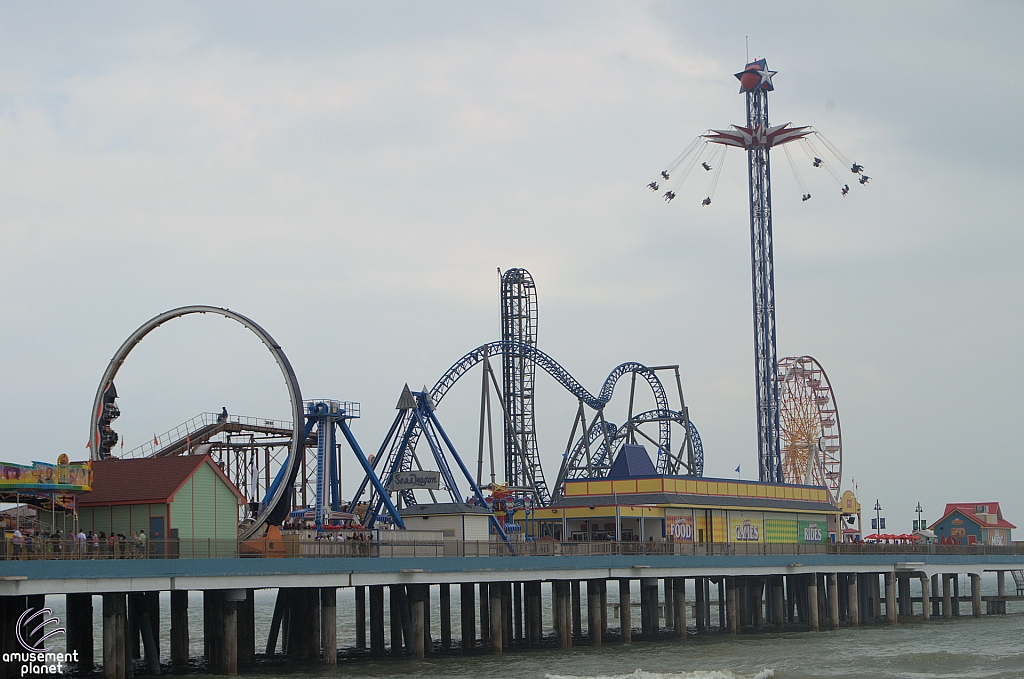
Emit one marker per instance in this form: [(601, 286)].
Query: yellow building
[(686, 509)]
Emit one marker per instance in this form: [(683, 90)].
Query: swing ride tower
[(757, 138)]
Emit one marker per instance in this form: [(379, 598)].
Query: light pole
[(920, 526), (878, 518)]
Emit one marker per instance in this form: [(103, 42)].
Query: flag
[(156, 442), (188, 442), (737, 469)]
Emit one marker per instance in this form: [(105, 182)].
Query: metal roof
[(442, 508), (700, 500)]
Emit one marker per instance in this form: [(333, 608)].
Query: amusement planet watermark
[(37, 658)]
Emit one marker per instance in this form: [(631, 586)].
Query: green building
[(186, 499)]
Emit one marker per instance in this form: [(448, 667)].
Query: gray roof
[(442, 508), (687, 499)]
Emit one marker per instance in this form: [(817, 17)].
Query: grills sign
[(417, 479)]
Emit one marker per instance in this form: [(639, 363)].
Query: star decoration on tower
[(766, 77), (756, 75)]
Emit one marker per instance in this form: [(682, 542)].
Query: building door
[(156, 535)]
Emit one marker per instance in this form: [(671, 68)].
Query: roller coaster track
[(583, 461), (403, 446), (276, 503)]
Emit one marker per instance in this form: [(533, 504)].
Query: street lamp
[(878, 518), (920, 525)]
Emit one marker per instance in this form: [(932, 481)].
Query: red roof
[(968, 509), (149, 480)]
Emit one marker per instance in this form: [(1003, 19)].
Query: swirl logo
[(37, 617)]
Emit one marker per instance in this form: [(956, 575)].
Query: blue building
[(973, 523)]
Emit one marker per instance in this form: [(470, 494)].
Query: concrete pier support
[(731, 596), (890, 599), (853, 600), (699, 604), (756, 588), (115, 623), (139, 612), (395, 600), (742, 604), (778, 603), (669, 602), (594, 630), (377, 620), (79, 625), (604, 607), (360, 596), (228, 661), (947, 598), (577, 614), (649, 607), (506, 615), (936, 598), (445, 610), (415, 642), (833, 601), (329, 625), (517, 611), (561, 598), (179, 630), (976, 595), (428, 640), (926, 598), (534, 614), (906, 594), (247, 629), (625, 612), (812, 602), (877, 591), (485, 612), (679, 608), (467, 604), (998, 606), (496, 619)]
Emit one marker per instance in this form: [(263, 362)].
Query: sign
[(45, 477), (414, 480), (742, 529), (682, 529), (812, 531)]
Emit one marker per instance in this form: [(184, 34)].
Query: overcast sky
[(351, 175)]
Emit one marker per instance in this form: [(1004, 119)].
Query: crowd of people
[(70, 545)]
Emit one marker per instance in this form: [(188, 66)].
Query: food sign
[(681, 529)]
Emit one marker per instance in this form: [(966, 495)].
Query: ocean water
[(992, 646)]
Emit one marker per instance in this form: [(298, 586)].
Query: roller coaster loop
[(275, 507)]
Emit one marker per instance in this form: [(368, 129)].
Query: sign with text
[(416, 480), (681, 529), (745, 529), (812, 531)]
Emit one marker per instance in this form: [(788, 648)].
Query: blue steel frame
[(763, 279), (326, 418), (412, 422)]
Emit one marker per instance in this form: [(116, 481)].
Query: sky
[(352, 176)]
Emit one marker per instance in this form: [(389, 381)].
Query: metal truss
[(518, 373), (593, 453), (763, 280)]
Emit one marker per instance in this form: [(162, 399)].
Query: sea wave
[(698, 674)]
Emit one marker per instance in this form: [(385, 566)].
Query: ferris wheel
[(811, 441)]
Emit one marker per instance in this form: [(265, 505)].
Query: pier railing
[(68, 549)]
